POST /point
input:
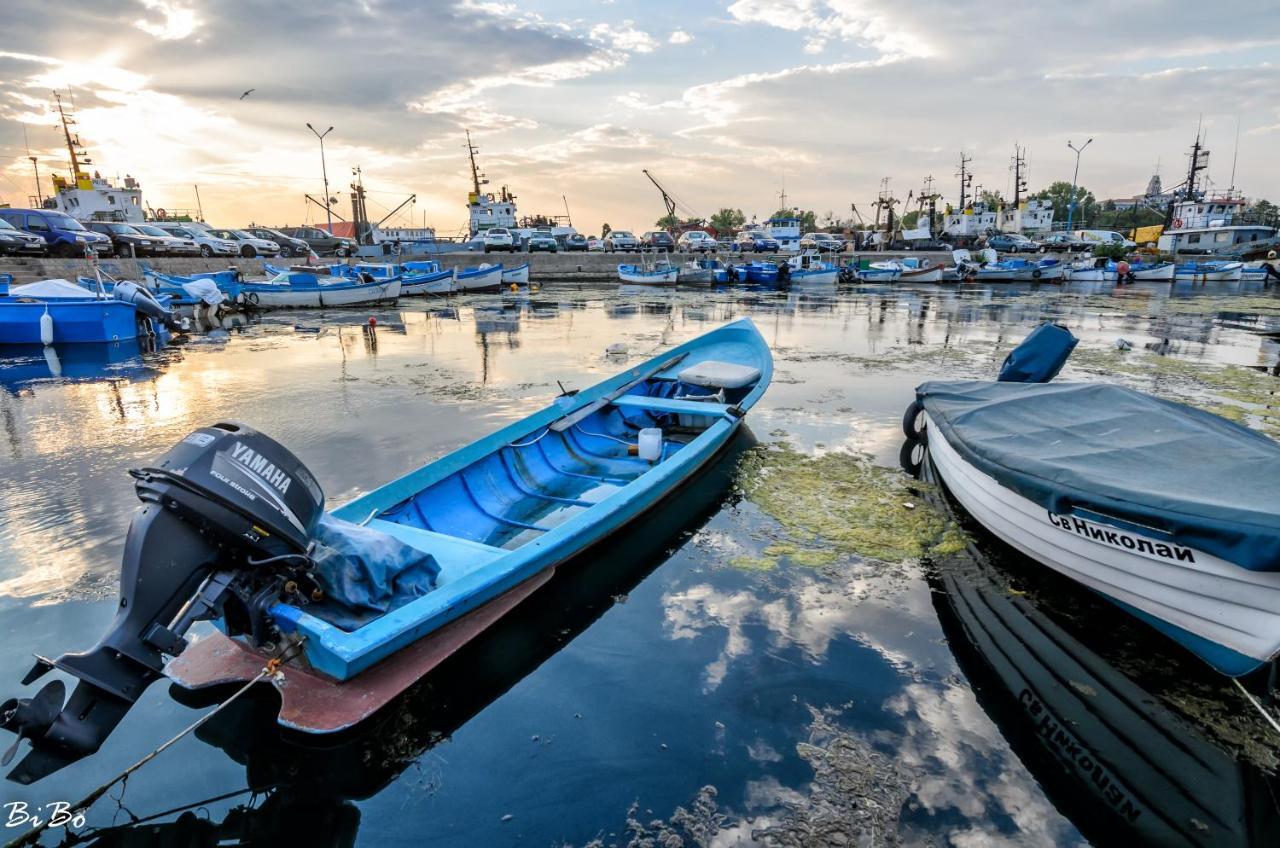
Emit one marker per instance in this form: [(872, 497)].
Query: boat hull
[(267, 296), (478, 280), (1228, 273), (1227, 615), (634, 276), (440, 282), (932, 274), (1158, 274), (74, 321), (518, 275), (1091, 275)]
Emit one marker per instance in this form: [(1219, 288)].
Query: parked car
[(542, 239), (620, 240), (499, 238), (127, 241), (1012, 243), (174, 245), (289, 246), (209, 244), (821, 242), (756, 241), (250, 246), (323, 242), (697, 241), (575, 241), (14, 241), (1096, 237), (62, 234), (595, 245), (658, 240), (1063, 243)]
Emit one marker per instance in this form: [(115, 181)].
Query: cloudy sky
[(726, 102)]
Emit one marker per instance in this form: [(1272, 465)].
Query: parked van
[(1104, 237), (64, 235)]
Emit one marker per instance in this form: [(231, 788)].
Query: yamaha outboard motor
[(224, 530)]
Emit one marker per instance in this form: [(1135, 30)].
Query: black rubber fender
[(912, 426)]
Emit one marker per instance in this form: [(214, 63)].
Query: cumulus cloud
[(170, 21), (680, 37)]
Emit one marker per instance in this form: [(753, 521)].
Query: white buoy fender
[(46, 328)]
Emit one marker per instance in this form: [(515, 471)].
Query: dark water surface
[(737, 669)]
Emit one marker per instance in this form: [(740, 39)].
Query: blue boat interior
[(531, 484)]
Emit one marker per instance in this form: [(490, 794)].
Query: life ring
[(1036, 274), (161, 214), (1177, 223)]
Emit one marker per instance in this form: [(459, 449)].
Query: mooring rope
[(1257, 706), (270, 670)]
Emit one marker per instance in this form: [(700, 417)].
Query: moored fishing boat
[(486, 278), (880, 272), (1033, 270), (60, 311), (1165, 509), (1213, 271), (1160, 272), (916, 270), (519, 275), (304, 290), (641, 275), (358, 604)]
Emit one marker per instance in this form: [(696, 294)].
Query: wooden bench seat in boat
[(676, 407)]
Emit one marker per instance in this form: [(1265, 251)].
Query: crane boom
[(667, 199)]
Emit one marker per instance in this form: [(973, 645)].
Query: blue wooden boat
[(77, 315), (444, 551)]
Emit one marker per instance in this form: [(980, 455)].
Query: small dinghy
[(1171, 512), (360, 603)]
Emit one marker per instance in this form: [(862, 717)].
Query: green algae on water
[(838, 505)]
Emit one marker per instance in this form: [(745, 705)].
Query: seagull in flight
[(247, 93)]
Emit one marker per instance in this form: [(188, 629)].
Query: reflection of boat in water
[(307, 789), (1125, 768), (21, 365)]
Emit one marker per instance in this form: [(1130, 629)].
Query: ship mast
[(966, 178), (472, 150), (1019, 168), (71, 143)]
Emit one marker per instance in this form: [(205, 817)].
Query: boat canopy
[(1114, 456)]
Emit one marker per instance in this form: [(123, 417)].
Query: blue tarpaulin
[(1040, 356), (365, 572), (1146, 465)]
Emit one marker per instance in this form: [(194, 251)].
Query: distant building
[(1030, 217)]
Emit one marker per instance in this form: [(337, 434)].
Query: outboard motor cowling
[(226, 522)]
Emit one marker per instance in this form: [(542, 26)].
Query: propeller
[(31, 717)]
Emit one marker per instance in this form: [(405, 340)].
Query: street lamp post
[(1071, 203), (325, 171)]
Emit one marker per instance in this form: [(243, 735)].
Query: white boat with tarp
[(1170, 511)]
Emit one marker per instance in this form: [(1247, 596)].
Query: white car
[(499, 238), (595, 245), (621, 240), (696, 240), (249, 244), (210, 245)]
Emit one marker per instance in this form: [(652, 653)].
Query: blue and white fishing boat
[(518, 275), (887, 271), (357, 604), (809, 268), (1171, 512), (912, 269), (486, 278), (658, 274), (1093, 270), (1211, 271), (304, 290), (761, 273), (426, 277), (1253, 272), (1152, 272), (1032, 270)]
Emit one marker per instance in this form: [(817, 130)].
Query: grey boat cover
[(1110, 455)]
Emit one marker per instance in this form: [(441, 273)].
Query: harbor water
[(806, 646)]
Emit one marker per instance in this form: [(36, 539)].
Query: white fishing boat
[(1167, 510), (428, 282), (519, 275), (1033, 270), (1160, 272), (303, 290), (1209, 272), (810, 269), (486, 278), (659, 272), (1092, 270), (915, 270)]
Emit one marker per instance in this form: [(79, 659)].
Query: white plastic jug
[(651, 443)]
